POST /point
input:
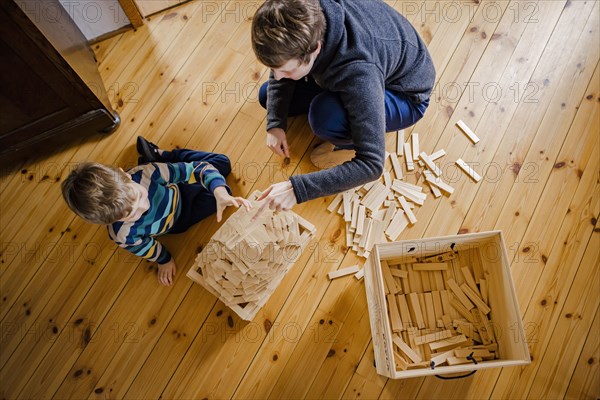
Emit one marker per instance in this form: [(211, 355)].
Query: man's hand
[(166, 273), (224, 200), (277, 142), (279, 196)]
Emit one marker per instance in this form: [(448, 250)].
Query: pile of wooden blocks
[(379, 211), (437, 312), (245, 260)]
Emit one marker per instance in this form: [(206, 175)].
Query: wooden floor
[(83, 319)]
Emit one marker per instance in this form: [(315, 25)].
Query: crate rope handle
[(447, 378)]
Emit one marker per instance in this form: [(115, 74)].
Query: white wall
[(96, 17)]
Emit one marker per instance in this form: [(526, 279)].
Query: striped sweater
[(161, 179)]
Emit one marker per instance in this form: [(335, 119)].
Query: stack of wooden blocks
[(245, 260), (438, 312), (381, 210)]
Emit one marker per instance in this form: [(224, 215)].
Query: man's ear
[(318, 50)]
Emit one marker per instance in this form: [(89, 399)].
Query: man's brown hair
[(283, 30), (98, 193)]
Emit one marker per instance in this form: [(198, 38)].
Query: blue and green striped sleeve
[(192, 172)]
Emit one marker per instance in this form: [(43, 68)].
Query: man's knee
[(262, 95), (326, 116)]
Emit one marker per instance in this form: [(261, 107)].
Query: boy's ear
[(128, 175)]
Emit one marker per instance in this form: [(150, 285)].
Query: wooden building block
[(395, 319), (335, 203), (466, 271), (415, 188), (387, 179), (363, 239), (396, 165), (430, 164), (404, 348), (397, 226), (430, 266), (433, 337), (425, 282), (437, 304), (399, 273), (468, 170), (467, 131), (441, 358), (360, 274), (360, 223), (447, 321), (438, 277), (376, 196), (404, 282), (431, 320), (415, 310), (389, 279), (409, 214), (483, 325), (367, 186), (390, 212), (460, 295), (412, 333), (401, 363), (467, 329), (483, 288), (462, 310), (349, 235), (414, 196), (400, 142), (434, 190), (421, 298), (475, 298), (438, 182), (404, 312), (343, 272), (408, 157), (448, 344), (415, 146), (354, 220), (438, 154)]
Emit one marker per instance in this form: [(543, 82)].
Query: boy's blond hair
[(98, 193), (283, 30)]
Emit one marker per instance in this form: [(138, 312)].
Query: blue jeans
[(329, 120), (197, 203)]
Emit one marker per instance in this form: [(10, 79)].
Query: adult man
[(357, 67)]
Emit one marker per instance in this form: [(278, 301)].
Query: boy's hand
[(224, 200), (166, 273), (279, 196), (277, 142)]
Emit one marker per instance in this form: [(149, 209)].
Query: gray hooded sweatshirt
[(368, 47)]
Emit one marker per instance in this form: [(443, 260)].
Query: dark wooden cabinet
[(50, 89)]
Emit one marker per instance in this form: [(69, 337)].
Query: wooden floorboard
[(83, 319)]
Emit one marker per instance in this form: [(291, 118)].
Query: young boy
[(167, 193), (357, 68)]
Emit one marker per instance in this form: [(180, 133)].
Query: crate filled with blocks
[(443, 305)]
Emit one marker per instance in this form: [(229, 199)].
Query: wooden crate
[(245, 260), (493, 265)]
